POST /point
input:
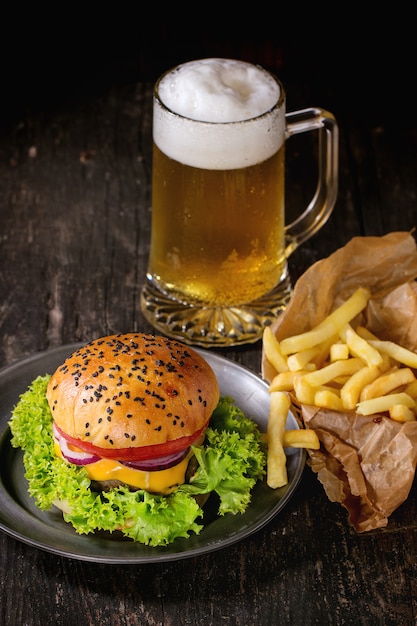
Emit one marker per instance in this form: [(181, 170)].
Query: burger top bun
[(132, 390)]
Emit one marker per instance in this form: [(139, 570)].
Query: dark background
[(366, 62)]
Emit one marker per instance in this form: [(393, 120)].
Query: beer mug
[(217, 272)]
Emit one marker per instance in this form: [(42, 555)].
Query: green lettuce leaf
[(230, 462)]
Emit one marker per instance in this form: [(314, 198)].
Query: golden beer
[(217, 271), (217, 235)]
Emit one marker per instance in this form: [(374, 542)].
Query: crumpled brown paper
[(365, 463)]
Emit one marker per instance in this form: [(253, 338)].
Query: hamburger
[(130, 434), (129, 407)]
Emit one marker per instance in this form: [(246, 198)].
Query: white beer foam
[(219, 123), (219, 90)]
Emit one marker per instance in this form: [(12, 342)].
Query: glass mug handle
[(321, 206)]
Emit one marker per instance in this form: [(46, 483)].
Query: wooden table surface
[(75, 204)]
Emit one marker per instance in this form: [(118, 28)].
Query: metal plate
[(21, 519)]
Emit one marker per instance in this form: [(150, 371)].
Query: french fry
[(384, 403), (304, 392), (339, 351), (276, 475), (331, 325), (299, 360), (273, 351), (366, 333), (396, 352), (332, 371), (401, 413), (284, 381), (387, 382), (411, 390), (323, 351), (328, 399), (302, 438), (360, 347), (351, 390)]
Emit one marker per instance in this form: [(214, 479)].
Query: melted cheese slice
[(158, 481)]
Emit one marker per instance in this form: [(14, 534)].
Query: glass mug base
[(209, 326)]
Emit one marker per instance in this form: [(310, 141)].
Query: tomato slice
[(142, 453)]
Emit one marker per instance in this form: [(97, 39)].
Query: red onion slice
[(77, 457), (158, 464)]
